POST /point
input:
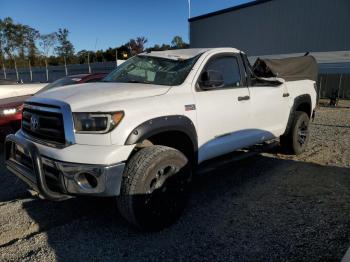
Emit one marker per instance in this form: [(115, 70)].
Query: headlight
[(10, 111), (96, 123)]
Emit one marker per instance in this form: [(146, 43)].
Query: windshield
[(152, 70)]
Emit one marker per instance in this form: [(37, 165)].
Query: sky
[(99, 24)]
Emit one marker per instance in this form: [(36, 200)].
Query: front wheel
[(154, 188), (297, 138)]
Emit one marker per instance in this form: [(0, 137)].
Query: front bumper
[(57, 180)]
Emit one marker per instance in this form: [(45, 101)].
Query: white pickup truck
[(139, 135)]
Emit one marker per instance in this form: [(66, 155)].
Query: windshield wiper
[(127, 81), (138, 81)]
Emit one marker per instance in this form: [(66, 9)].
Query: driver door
[(223, 111)]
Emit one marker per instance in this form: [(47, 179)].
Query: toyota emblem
[(34, 122)]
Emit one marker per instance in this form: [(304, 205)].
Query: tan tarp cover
[(290, 69)]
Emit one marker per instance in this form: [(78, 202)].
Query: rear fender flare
[(297, 102)]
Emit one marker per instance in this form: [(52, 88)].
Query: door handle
[(285, 94), (241, 98)]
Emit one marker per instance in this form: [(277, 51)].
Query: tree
[(123, 52), (137, 45), (18, 42), (2, 45), (11, 40), (109, 54), (31, 36), (26, 37), (156, 47), (165, 47), (2, 38), (47, 43), (82, 56), (65, 47), (177, 42), (19, 39)]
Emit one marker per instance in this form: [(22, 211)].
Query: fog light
[(86, 180)]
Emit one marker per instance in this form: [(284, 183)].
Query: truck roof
[(183, 54)]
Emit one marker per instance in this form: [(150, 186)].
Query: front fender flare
[(162, 124)]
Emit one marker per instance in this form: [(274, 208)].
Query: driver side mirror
[(211, 79)]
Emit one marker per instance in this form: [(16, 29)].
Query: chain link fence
[(333, 85), (38, 74), (328, 85)]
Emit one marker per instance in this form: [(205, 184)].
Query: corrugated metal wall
[(278, 27), (284, 27)]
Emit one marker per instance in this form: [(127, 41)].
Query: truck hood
[(83, 97)]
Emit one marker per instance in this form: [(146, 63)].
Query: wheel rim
[(303, 132), (161, 176), (165, 191)]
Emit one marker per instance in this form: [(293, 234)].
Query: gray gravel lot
[(267, 207)]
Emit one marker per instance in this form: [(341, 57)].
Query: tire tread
[(286, 140), (132, 173)]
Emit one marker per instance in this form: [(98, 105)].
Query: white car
[(15, 90), (139, 135)]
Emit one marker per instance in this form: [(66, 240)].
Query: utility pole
[(88, 55), (189, 16), (47, 70), (30, 71), (4, 69), (65, 65), (95, 44), (116, 57), (340, 80), (16, 69), (129, 47)]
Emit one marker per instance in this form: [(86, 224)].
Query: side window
[(228, 67)]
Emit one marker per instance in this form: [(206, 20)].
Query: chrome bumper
[(56, 180)]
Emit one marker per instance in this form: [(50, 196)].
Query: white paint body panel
[(270, 109), (219, 116), (223, 123)]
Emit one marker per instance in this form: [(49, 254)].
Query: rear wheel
[(154, 188), (295, 141)]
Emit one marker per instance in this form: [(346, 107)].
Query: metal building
[(280, 28)]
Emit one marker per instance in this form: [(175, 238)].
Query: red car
[(11, 115), (11, 108), (75, 79)]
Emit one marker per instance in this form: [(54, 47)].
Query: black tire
[(295, 141), (155, 187)]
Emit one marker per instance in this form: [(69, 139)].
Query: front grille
[(52, 174), (44, 125)]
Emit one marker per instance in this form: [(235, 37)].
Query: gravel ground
[(265, 207)]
